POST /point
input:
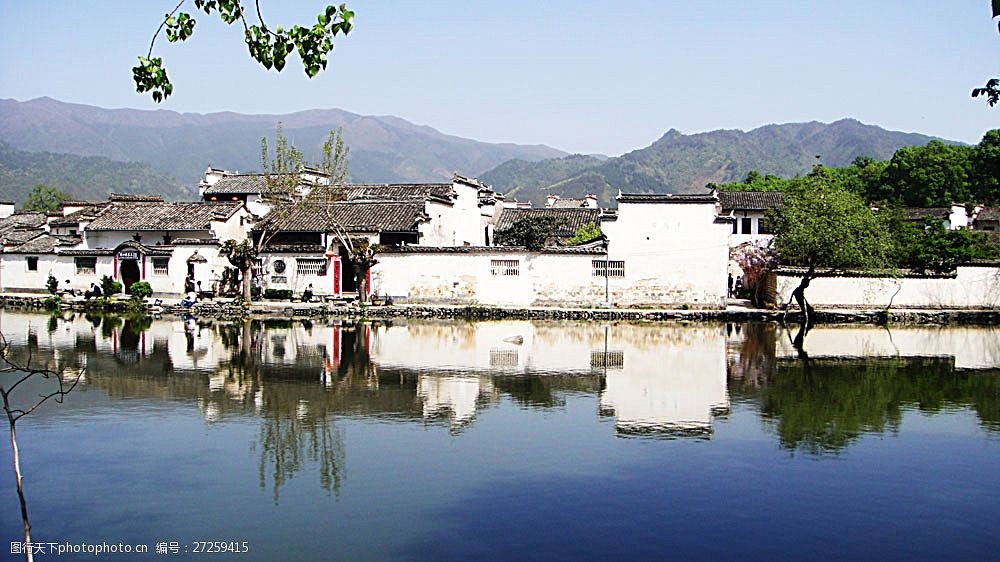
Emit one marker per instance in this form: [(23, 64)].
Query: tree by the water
[(269, 46), (825, 230)]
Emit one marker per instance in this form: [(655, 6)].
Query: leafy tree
[(285, 192), (825, 230), (585, 234), (109, 286), (531, 232), (45, 198), (270, 47), (941, 251), (985, 177), (932, 175)]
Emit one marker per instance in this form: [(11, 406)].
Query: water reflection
[(654, 380)]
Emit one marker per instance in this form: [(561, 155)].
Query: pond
[(517, 440)]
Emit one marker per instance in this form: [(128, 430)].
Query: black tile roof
[(919, 213), (665, 198), (750, 200), (353, 216), (571, 219), (142, 216), (989, 214), (575, 250), (241, 184)]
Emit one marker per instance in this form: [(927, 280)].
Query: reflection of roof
[(356, 216), (665, 198), (570, 219), (919, 213), (750, 200), (163, 216)]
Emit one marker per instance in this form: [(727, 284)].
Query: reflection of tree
[(296, 418), (292, 432), (756, 355), (825, 405)]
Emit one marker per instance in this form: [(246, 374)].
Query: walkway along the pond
[(224, 308)]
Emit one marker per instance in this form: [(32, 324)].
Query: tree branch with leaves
[(268, 46)]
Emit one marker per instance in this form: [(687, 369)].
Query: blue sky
[(588, 77)]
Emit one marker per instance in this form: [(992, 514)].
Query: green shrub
[(255, 292), (52, 284), (277, 294), (109, 286), (140, 290), (52, 303)]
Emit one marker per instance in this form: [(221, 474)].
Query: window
[(763, 227), (32, 263), (736, 227), (86, 266), (310, 266), (746, 225), (505, 267), (160, 266), (613, 268)]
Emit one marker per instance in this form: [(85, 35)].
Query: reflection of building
[(672, 388), (973, 347), (453, 396)]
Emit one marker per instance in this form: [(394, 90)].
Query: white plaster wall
[(972, 287), (465, 216), (439, 230), (674, 254)]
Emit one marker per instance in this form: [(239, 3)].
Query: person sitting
[(190, 299), (95, 292), (307, 295)]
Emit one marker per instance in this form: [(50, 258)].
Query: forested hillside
[(89, 178)]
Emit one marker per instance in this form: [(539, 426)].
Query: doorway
[(129, 270), (348, 275)]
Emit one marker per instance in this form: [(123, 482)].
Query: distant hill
[(518, 178), (383, 148), (83, 177), (679, 163)]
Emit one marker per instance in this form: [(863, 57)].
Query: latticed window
[(505, 267), (605, 268), (160, 266), (86, 266), (310, 266)]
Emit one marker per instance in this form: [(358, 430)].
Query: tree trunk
[(247, 278), (362, 281), (20, 492), (799, 294)]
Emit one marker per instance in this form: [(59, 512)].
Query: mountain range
[(90, 151), (182, 145), (679, 163)]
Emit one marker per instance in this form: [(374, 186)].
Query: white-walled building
[(128, 238)]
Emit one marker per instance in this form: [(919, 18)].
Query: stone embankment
[(227, 310)]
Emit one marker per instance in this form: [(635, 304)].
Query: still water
[(516, 440)]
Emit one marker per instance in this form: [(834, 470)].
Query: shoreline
[(734, 313)]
